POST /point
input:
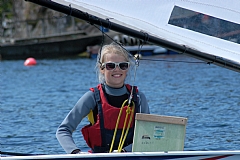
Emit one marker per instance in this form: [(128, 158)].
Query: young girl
[(104, 104)]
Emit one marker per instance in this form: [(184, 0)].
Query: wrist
[(124, 150)]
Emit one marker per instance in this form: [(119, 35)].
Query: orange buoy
[(30, 62)]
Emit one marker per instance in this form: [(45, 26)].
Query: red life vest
[(99, 135)]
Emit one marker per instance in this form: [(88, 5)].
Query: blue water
[(35, 100)]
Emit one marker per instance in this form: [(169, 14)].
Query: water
[(35, 100)]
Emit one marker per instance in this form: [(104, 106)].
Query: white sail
[(209, 26)]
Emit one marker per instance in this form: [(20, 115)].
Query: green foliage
[(6, 7)]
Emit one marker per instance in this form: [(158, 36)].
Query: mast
[(92, 19)]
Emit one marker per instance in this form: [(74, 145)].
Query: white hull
[(180, 155)]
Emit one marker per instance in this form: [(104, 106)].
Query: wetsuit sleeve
[(72, 120), (144, 108)]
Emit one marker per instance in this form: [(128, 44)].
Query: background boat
[(146, 50), (63, 45)]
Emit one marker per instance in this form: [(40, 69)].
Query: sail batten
[(203, 29)]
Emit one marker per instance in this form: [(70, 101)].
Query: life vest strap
[(100, 113)]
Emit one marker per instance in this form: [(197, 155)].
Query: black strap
[(100, 112), (134, 94), (135, 99)]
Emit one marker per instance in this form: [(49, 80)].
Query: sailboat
[(207, 30)]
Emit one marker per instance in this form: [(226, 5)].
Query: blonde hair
[(112, 48)]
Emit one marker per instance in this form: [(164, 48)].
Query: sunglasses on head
[(113, 65)]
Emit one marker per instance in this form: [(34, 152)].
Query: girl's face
[(114, 78)]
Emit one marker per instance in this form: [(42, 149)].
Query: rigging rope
[(122, 139)]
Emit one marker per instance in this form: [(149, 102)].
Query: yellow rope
[(115, 131), (116, 127), (121, 143), (124, 126)]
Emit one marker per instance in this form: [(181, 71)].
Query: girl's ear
[(101, 70)]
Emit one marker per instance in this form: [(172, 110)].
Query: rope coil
[(123, 135)]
